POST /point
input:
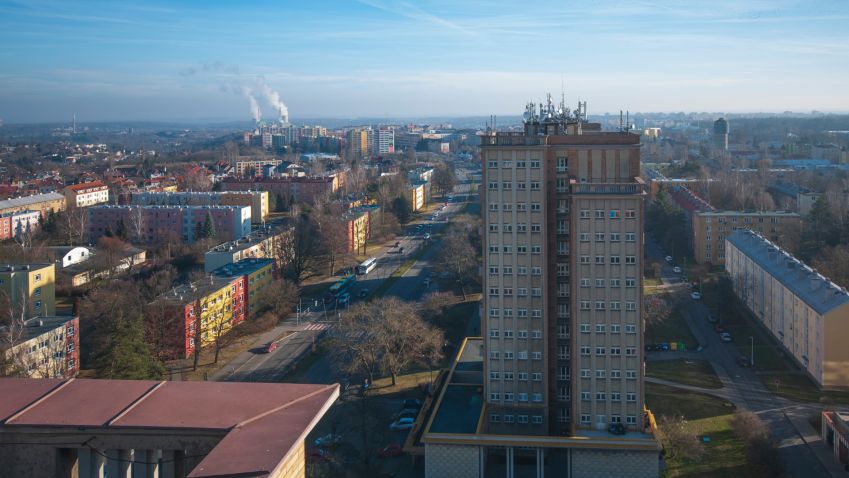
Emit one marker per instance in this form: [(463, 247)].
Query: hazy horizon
[(196, 62)]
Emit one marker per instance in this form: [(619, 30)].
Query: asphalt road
[(744, 386)]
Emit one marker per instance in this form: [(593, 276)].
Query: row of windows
[(615, 328), (520, 206), (508, 419), (521, 397), (519, 249), (630, 419), (521, 270), (602, 396), (508, 185), (535, 313), (613, 259), (747, 220), (586, 282), (523, 355), (522, 334), (602, 305), (520, 292), (509, 164), (612, 214), (614, 237), (520, 227), (614, 373), (521, 376), (602, 351)]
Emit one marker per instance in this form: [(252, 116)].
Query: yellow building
[(417, 196), (31, 286), (804, 311), (710, 228), (216, 310), (43, 203), (254, 274), (257, 200), (357, 229)]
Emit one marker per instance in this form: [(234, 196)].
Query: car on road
[(343, 299), (696, 295), (390, 451), (403, 423), (676, 270), (616, 429), (427, 236), (328, 441), (744, 361), (669, 259), (397, 243), (270, 347), (718, 328), (712, 319), (363, 293), (725, 336), (412, 403)]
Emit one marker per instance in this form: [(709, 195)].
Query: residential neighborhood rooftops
[(41, 325), (29, 200), (813, 288), (243, 267)]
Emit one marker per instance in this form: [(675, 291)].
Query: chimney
[(815, 282)]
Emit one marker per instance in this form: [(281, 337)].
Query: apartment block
[(295, 188), (561, 359), (243, 167), (31, 287), (19, 223), (256, 200), (257, 274), (384, 141), (357, 228), (86, 194), (271, 241), (195, 314), (149, 224), (710, 228), (803, 310), (45, 347), (43, 203), (418, 194)]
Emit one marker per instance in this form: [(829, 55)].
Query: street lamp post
[(752, 339)]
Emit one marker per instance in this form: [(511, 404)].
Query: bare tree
[(74, 222), (679, 441), (761, 450), (458, 258)]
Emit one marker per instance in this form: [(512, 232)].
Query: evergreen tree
[(209, 227), (128, 356), (402, 209), (820, 229), (121, 231), (280, 205)]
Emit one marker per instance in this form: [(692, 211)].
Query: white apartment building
[(87, 194)]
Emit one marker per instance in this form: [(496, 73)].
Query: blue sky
[(196, 60)]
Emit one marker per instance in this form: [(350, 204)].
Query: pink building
[(148, 224)]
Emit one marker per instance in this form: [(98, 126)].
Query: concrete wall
[(452, 461), (615, 464)]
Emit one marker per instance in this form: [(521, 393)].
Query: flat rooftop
[(261, 423), (42, 325), (243, 267)]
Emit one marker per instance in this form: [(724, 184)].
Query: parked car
[(669, 259), (397, 243), (403, 423), (412, 403), (328, 441), (343, 299), (390, 451), (363, 293), (712, 318), (427, 236), (676, 270), (617, 429), (718, 328), (649, 347), (725, 337), (696, 295), (270, 347), (744, 361)]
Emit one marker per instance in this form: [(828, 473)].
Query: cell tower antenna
[(74, 124), (620, 120)]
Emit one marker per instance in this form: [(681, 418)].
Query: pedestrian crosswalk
[(317, 326)]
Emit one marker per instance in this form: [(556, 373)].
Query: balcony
[(635, 187)]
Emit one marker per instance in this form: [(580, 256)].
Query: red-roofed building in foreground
[(123, 428)]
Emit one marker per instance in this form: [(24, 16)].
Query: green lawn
[(706, 416), (673, 329), (698, 373), (725, 454), (797, 386), (663, 400)]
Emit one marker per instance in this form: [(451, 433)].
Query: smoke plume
[(274, 99), (255, 111)]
